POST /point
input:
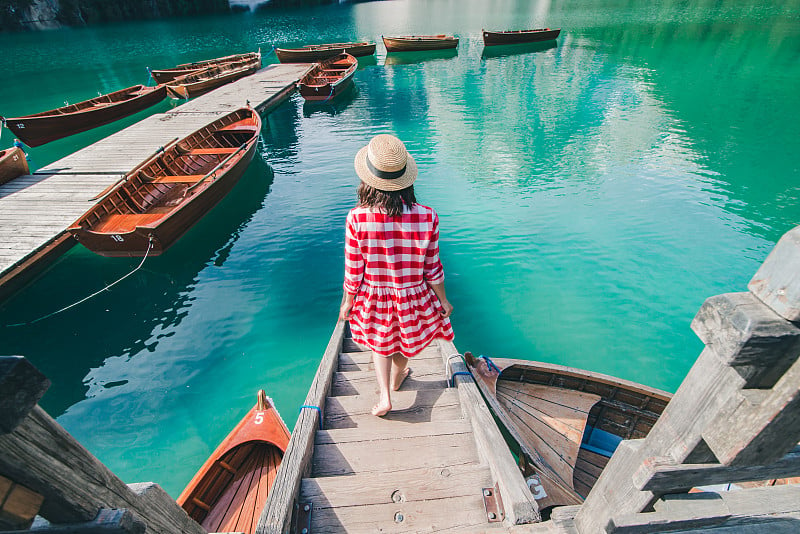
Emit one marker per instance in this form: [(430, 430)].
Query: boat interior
[(240, 481), (182, 170), (99, 101), (575, 422)]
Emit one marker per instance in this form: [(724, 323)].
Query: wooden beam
[(746, 334), (107, 522), (277, 512), (21, 387), (777, 281), (18, 505), (661, 475), (520, 506)]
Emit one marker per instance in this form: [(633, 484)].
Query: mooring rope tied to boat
[(109, 286)]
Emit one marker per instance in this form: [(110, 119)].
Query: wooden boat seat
[(126, 222), (239, 125), (210, 151), (186, 178)]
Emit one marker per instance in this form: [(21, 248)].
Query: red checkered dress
[(388, 264)]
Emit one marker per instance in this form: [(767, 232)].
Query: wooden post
[(44, 458), (735, 416)]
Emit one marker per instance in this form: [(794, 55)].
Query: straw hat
[(385, 164)]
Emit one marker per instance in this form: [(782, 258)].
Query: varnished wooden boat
[(328, 79), (519, 36), (205, 80), (12, 164), (320, 52), (230, 489), (167, 75), (567, 422), (157, 202), (416, 43), (41, 128)]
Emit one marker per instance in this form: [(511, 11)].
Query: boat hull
[(419, 43), (314, 53), (229, 491), (167, 75), (585, 415), (13, 164), (118, 226), (522, 36), (35, 130), (329, 79), (198, 83)]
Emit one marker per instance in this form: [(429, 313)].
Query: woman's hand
[(447, 308), (345, 307)]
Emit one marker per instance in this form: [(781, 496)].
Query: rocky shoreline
[(22, 15)]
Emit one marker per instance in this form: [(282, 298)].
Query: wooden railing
[(44, 471), (735, 418)]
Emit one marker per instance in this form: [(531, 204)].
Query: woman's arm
[(447, 308), (347, 304)]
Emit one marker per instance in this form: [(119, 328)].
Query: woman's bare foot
[(381, 409), (397, 381)]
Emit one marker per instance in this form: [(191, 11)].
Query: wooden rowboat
[(567, 422), (519, 36), (158, 201), (167, 75), (41, 128), (205, 80), (328, 79), (320, 52), (415, 43), (12, 164), (230, 489)]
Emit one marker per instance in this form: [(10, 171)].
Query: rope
[(489, 363), (109, 286), (329, 96), (149, 77), (313, 408)]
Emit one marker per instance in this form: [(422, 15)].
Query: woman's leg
[(400, 370), (383, 368)]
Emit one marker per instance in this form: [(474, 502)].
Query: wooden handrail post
[(42, 456), (736, 414)]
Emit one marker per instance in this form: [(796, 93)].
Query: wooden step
[(186, 178), (401, 431), (407, 407), (361, 357), (394, 455), (351, 346), (362, 362), (449, 498), (365, 383)]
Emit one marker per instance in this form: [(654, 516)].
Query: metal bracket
[(303, 517), (493, 504)]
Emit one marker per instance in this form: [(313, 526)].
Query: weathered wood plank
[(277, 511), (381, 456), (661, 475), (365, 383), (18, 505), (21, 387), (106, 522), (403, 486), (777, 281), (400, 431), (520, 506), (422, 365), (407, 407)]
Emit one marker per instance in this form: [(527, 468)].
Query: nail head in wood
[(21, 387)]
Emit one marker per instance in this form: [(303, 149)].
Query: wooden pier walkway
[(36, 209), (425, 467)]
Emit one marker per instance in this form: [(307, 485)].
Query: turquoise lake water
[(592, 195)]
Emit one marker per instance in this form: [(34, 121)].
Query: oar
[(215, 169), (108, 190)]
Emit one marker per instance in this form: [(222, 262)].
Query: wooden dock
[(436, 463), (36, 209)]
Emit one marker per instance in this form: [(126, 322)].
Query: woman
[(394, 293)]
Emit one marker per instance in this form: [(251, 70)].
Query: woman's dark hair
[(390, 202)]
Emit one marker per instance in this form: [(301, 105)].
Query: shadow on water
[(516, 49), (367, 61), (127, 318), (406, 58), (333, 106)]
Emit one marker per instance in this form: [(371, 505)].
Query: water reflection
[(514, 49), (406, 58), (333, 106)]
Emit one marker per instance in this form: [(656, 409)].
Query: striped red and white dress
[(389, 263)]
